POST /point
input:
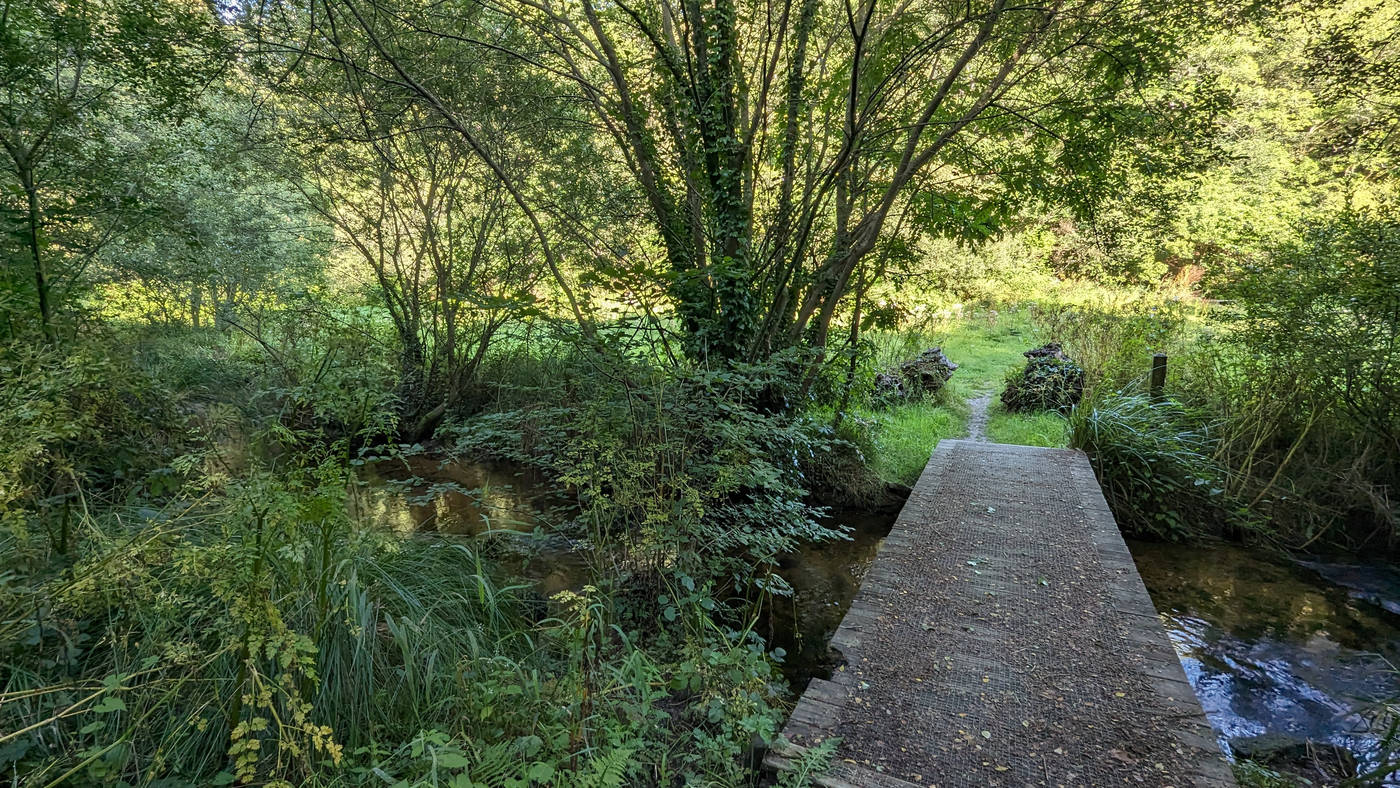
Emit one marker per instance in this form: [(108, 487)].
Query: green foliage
[(813, 762), (71, 71), (1113, 337), (1299, 432), (1305, 105), (754, 252), (222, 236), (681, 466), (1339, 290), (75, 420), (1044, 428), (256, 632), (1016, 262), (1302, 372), (1155, 463), (1251, 775), (232, 323), (906, 436), (177, 612), (327, 373), (982, 342)]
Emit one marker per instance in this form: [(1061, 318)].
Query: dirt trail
[(977, 421)]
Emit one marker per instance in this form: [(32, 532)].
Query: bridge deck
[(1003, 638)]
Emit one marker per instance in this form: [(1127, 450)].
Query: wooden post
[(1159, 376)]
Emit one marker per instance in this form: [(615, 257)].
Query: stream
[(1280, 652), (516, 506), (520, 509)]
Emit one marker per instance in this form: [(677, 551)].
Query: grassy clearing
[(986, 345), (1045, 428), (906, 435)]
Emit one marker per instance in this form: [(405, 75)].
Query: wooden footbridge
[(1003, 637)]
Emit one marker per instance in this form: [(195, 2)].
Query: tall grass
[(1114, 340), (259, 633), (261, 615), (1155, 462), (1275, 434)]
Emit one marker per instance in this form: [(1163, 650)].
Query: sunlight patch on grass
[(1045, 428), (906, 436), (985, 352), (985, 346)]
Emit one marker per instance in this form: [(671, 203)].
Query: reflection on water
[(1276, 648), (422, 494), (824, 580), (1374, 583), (426, 494)]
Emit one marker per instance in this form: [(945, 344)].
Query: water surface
[(1276, 647), (1301, 649), (513, 510), (824, 579), (525, 520)]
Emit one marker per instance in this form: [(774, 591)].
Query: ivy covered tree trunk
[(730, 259), (714, 298)]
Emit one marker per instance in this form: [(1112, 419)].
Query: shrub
[(1330, 308), (76, 421), (1318, 332), (678, 468), (257, 632)]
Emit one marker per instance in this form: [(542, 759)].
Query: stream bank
[(1281, 653), (524, 517)]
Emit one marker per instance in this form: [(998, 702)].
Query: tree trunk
[(41, 283)]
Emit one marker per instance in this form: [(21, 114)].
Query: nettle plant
[(680, 470)]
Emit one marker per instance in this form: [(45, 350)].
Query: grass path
[(977, 420)]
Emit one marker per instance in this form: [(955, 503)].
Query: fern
[(607, 771)]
